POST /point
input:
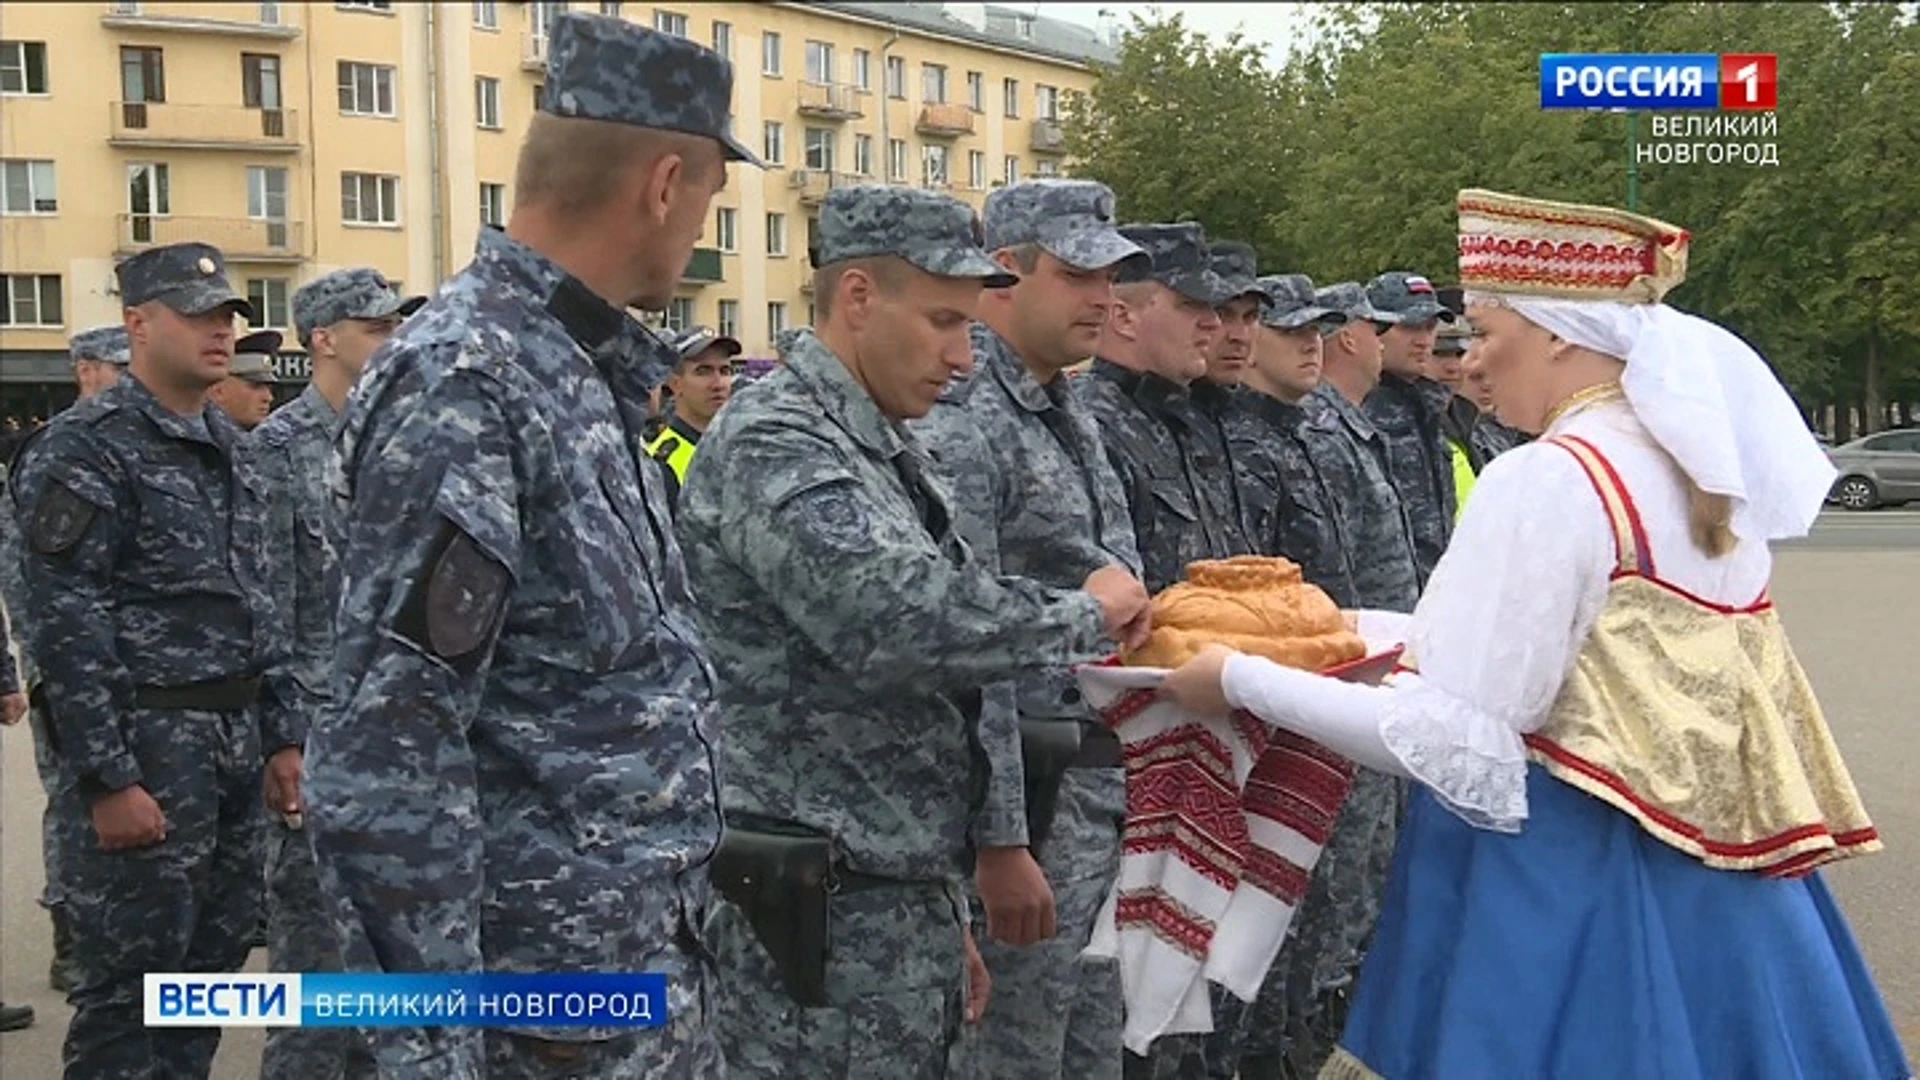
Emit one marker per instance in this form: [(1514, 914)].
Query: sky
[(1274, 25)]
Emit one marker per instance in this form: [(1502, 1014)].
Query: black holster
[(780, 875), (1047, 749)]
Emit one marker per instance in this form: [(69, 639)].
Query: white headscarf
[(1711, 402)]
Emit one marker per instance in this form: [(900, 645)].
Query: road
[(1851, 598)]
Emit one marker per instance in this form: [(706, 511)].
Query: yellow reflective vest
[(1462, 478)]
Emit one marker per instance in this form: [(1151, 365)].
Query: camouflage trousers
[(896, 989), (186, 904), (1053, 1014), (685, 1048), (301, 937), (1293, 1027)]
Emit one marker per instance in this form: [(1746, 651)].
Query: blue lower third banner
[(452, 1000)]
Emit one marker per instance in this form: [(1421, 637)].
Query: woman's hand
[(1196, 685)]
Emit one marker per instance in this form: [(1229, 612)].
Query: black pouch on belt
[(1047, 750), (781, 875)]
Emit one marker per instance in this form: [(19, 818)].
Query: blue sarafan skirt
[(1584, 948)]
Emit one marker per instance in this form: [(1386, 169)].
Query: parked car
[(1878, 470)]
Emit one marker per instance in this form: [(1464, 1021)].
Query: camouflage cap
[(935, 232), (1072, 220), (360, 292), (253, 356), (1406, 298), (1179, 254), (1291, 303), (695, 340), (605, 68), (1238, 265), (189, 278), (104, 343), (1451, 340), (1349, 298), (784, 341)]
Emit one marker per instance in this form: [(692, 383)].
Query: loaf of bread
[(1253, 604)]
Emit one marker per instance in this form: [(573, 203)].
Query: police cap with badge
[(1072, 220), (1180, 261), (688, 344), (1407, 299), (190, 279), (932, 232), (107, 344), (254, 357)]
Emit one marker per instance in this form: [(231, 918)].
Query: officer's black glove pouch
[(781, 876)]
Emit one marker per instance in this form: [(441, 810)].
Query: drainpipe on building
[(433, 149), (886, 110)]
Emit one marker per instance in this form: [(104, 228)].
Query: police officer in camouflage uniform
[(853, 630), (1159, 335), (1037, 497), (13, 706), (516, 772), (150, 623), (246, 394), (1407, 409), (1211, 397), (341, 318), (100, 356)]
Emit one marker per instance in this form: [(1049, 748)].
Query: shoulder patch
[(466, 596), (60, 519), (836, 514)]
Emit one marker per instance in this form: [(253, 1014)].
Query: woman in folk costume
[(1624, 782)]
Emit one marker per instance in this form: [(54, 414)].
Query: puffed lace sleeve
[(1497, 632)]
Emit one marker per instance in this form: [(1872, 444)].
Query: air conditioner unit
[(797, 178)]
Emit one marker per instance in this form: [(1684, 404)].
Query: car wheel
[(1856, 493)]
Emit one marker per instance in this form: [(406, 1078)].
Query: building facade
[(304, 137)]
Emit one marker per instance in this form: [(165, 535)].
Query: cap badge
[(206, 265)]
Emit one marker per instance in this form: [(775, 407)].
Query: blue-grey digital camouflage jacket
[(1352, 456), (142, 544), (292, 449), (1035, 497), (1407, 414), (852, 627), (516, 771), (1293, 507)]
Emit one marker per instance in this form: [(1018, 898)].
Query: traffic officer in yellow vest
[(700, 384)]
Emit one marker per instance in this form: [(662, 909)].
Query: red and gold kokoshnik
[(1534, 247)]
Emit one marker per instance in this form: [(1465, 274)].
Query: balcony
[(1049, 137), (205, 127), (239, 239), (533, 52), (703, 268), (813, 184), (126, 16), (832, 101), (944, 121)]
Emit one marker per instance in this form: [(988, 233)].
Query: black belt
[(1099, 748), (213, 695)]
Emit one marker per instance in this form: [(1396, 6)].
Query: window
[(933, 166), (976, 169), (726, 229), (810, 317), (364, 5), (976, 91), (259, 81), (270, 14), (1047, 168), (819, 62), (540, 15), (897, 77), (23, 67), (1011, 169), (863, 154), (143, 74), (813, 241), (728, 319), (367, 199), (486, 102), (776, 234), (773, 144), (537, 88), (670, 22), (723, 38), (610, 8), (365, 89), (493, 204), (269, 299), (769, 53), (897, 160), (486, 15), (679, 313), (148, 197), (267, 193), (933, 83), (776, 318), (27, 187), (1046, 103), (1010, 94), (32, 300), (863, 69), (818, 143)]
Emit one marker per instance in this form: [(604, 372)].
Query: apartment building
[(304, 137)]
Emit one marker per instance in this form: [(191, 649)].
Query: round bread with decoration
[(1254, 604)]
